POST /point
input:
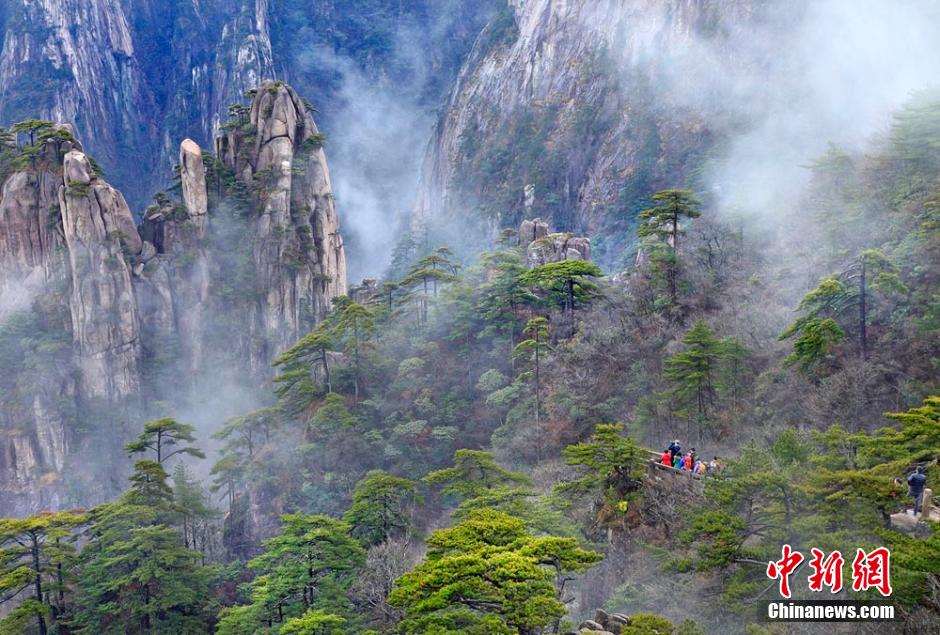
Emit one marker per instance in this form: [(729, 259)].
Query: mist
[(380, 120), (798, 77), (375, 154)]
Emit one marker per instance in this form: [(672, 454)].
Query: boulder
[(590, 625), (76, 168)]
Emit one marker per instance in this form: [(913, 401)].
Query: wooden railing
[(656, 470)]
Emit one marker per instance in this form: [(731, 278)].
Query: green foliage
[(306, 568), (144, 581), (817, 336), (473, 474), (161, 436), (487, 574), (428, 273), (663, 224), (313, 623), (565, 283), (663, 220), (381, 507), (612, 466), (817, 330), (134, 573), (37, 558), (31, 128), (648, 624), (834, 492), (354, 327)]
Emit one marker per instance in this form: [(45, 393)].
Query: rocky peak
[(149, 308), (99, 229), (566, 110), (298, 250), (193, 184)]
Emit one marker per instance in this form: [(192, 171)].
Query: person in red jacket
[(666, 458), (687, 462)]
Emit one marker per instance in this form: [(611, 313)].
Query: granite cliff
[(572, 112), (119, 315)]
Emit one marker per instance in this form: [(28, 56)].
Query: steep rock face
[(566, 110), (98, 225), (68, 321), (132, 74), (298, 251), (135, 76), (99, 317)]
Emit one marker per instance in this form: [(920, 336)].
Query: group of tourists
[(689, 461)]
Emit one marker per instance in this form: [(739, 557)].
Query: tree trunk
[(37, 568), (326, 371), (862, 314), (538, 401)]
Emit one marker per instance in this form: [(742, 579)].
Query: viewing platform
[(907, 522)]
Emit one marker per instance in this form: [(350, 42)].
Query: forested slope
[(460, 449)]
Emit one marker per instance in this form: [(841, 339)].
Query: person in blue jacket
[(675, 448), (916, 483)]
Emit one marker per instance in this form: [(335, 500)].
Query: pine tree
[(197, 514), (430, 271), (312, 348), (354, 326), (37, 558), (664, 222), (381, 507), (693, 373), (473, 474), (612, 464), (505, 295), (135, 574), (488, 575), (31, 128), (566, 282), (834, 299), (307, 567), (161, 436), (533, 350)]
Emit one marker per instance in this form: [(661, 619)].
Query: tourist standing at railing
[(675, 449), (666, 458)]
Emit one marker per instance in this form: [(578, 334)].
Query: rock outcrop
[(137, 76), (298, 251), (542, 246), (99, 229), (99, 317), (604, 623)]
